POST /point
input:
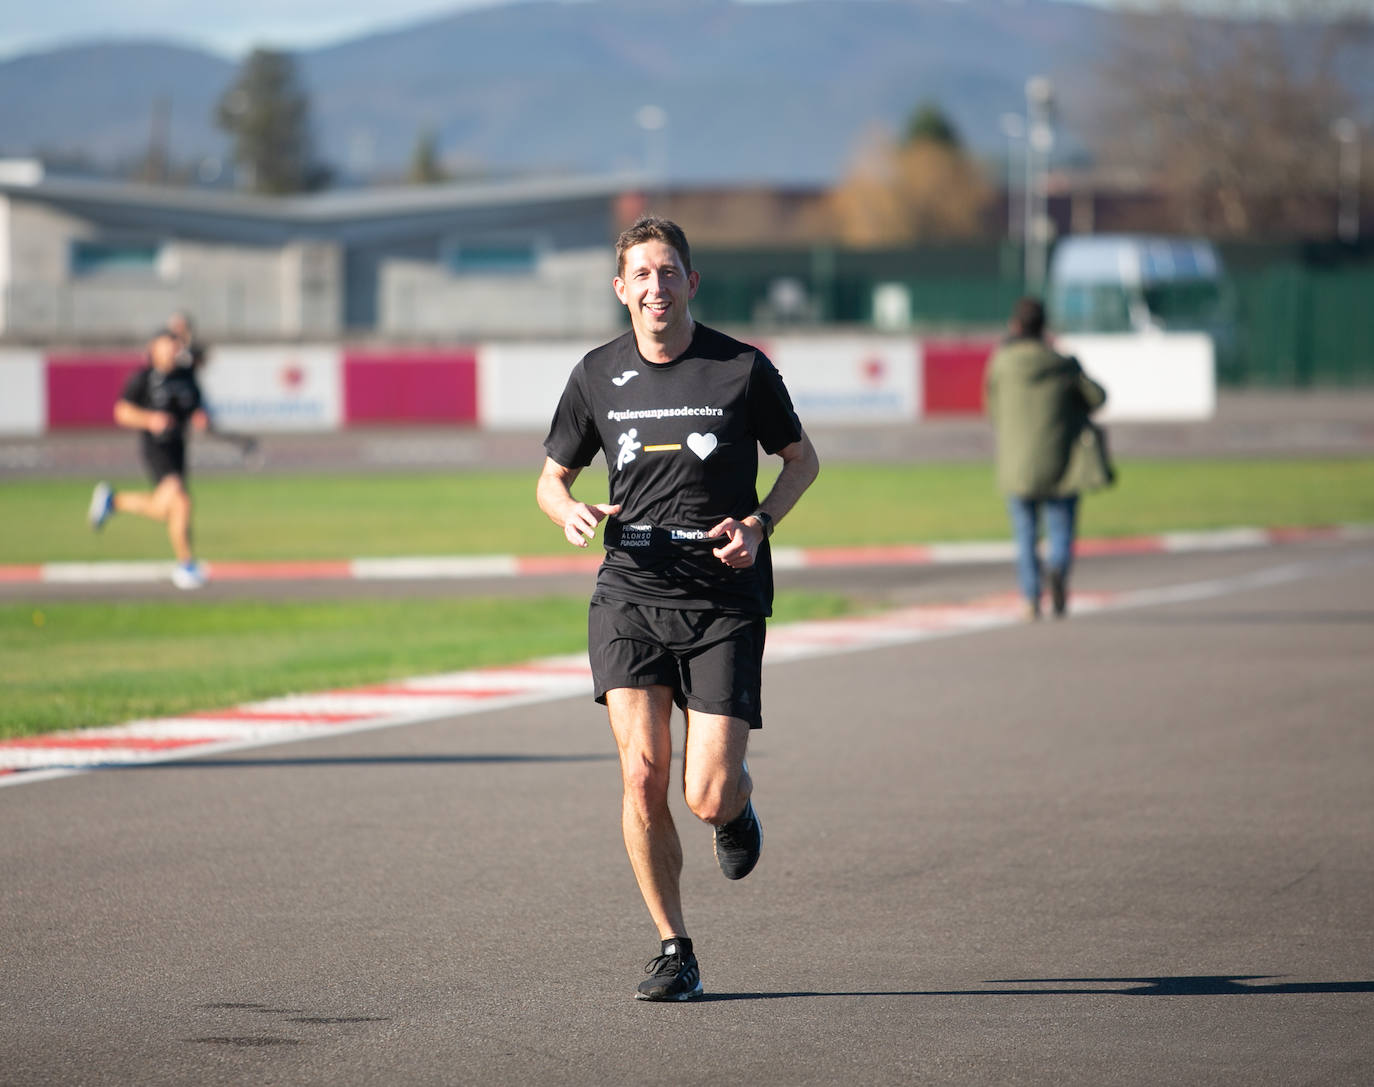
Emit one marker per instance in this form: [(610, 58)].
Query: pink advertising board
[(410, 387), (82, 389)]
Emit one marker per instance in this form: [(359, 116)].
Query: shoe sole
[(679, 999)]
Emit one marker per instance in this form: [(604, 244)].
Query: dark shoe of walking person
[(738, 843), (1059, 593), (673, 974)]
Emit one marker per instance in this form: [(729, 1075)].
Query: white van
[(1143, 283), (1150, 317), (1135, 283)]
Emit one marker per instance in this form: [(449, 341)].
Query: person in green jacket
[(1038, 401)]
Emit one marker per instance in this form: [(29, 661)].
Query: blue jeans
[(1061, 516)]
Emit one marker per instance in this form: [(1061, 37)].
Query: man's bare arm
[(800, 467), (553, 492), (129, 414)]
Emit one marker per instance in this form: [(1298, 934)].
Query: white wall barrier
[(518, 384), (23, 392), (833, 379), (1149, 377)]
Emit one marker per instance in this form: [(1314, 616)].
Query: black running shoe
[(739, 842), (673, 975)]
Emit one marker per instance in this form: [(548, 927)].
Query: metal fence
[(1305, 327), (1304, 315)]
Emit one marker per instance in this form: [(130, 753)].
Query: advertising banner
[(82, 389), (402, 386), (952, 373), (281, 388), (849, 379)]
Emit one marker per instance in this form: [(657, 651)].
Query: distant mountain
[(103, 101), (777, 92), (781, 93)]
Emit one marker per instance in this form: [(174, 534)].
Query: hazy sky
[(230, 27)]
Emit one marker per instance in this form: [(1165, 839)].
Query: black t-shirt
[(681, 442), (175, 392)]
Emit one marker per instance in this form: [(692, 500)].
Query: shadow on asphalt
[(1221, 985), (362, 760)]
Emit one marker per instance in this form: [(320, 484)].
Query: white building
[(86, 261)]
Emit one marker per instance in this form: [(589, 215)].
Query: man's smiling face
[(656, 289)]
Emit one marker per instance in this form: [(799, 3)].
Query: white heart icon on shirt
[(703, 445)]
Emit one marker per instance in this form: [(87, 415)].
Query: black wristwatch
[(766, 520)]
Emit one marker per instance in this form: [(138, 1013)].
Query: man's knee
[(644, 776), (171, 494), (640, 721), (713, 798)]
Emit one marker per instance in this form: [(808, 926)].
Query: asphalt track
[(1133, 847)]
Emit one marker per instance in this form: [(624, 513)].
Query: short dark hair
[(651, 228), (1028, 317)]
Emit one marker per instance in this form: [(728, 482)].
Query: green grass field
[(480, 513), (71, 664)]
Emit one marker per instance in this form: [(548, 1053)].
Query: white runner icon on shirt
[(628, 445)]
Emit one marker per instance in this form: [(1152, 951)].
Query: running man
[(678, 613), (160, 401)]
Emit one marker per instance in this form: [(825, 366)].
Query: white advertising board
[(850, 379), (518, 384), (1152, 377), (281, 388), (23, 392)]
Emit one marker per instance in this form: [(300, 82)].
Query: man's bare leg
[(715, 780), (179, 519), (718, 789), (640, 719), (168, 502)]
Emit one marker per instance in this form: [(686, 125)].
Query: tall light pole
[(1347, 134), (654, 121), (1039, 144), (1014, 128)]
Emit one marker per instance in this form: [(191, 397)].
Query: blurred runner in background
[(160, 401)]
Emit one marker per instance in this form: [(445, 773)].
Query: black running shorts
[(163, 459), (713, 662)]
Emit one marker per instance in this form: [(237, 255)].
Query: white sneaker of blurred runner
[(102, 505), (188, 576)]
